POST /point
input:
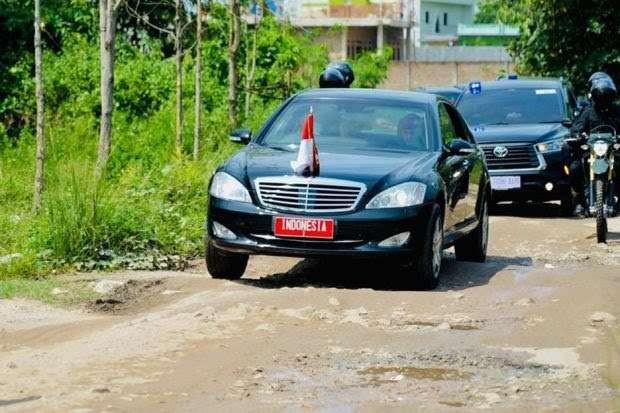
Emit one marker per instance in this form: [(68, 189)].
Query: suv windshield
[(353, 124), (512, 106)]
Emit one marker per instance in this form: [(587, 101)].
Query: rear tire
[(223, 264), (423, 271), (601, 220), (473, 246)]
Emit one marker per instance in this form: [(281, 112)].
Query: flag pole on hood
[(307, 163)]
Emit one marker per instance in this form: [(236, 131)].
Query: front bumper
[(357, 234), (533, 181)]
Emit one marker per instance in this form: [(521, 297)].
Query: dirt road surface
[(536, 327)]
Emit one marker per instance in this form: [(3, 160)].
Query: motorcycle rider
[(602, 111)]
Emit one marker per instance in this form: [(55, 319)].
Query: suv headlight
[(399, 196), (226, 187), (600, 148), (550, 146)]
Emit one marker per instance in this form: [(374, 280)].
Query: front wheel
[(223, 264), (423, 271), (601, 220)]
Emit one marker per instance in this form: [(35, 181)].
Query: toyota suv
[(521, 126)]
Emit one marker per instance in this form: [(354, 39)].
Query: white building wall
[(435, 11)]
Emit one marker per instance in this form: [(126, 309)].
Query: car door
[(455, 171), (472, 166)]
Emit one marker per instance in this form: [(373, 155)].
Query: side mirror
[(461, 147), (242, 135), (567, 123)]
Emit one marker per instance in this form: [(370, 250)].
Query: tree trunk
[(108, 10), (249, 80), (38, 74), (198, 75), (233, 48), (179, 75)]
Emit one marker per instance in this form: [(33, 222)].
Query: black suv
[(521, 126)]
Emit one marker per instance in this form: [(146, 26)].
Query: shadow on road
[(382, 276), (528, 210)]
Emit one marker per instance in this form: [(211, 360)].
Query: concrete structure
[(349, 27), (437, 20), (485, 34), (446, 66)]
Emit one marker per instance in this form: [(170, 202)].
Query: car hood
[(375, 169), (531, 133)]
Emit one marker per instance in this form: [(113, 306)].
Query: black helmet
[(603, 91), (346, 70), (331, 77), (597, 75)]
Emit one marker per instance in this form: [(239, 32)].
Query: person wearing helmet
[(337, 74), (602, 111)]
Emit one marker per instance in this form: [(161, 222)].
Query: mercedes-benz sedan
[(400, 177)]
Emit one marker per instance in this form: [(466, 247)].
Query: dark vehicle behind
[(521, 125)]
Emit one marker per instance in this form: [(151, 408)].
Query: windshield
[(353, 124), (512, 106)]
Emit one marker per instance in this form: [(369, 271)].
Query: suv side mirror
[(461, 147), (242, 135), (567, 123)]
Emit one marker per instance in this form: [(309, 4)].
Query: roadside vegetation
[(147, 209)]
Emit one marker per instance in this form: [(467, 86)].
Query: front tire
[(601, 220), (567, 205), (473, 246), (424, 271), (223, 264)]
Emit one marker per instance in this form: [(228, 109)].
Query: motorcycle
[(598, 157)]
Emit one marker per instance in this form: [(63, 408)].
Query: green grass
[(73, 293)]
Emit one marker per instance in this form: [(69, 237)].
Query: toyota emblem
[(500, 151)]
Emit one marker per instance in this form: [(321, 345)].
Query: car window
[(460, 126), (508, 106), (448, 131), (352, 124)]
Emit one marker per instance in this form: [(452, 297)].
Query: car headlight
[(226, 187), (550, 146), (600, 148), (399, 196)]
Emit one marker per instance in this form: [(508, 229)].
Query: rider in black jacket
[(602, 111)]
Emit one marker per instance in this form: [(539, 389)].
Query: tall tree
[(178, 57), (570, 38), (108, 12), (38, 74), (198, 79), (233, 51)]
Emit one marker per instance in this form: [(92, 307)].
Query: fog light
[(566, 170), (221, 231), (549, 186), (397, 240)]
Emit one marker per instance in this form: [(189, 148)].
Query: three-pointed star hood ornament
[(307, 163)]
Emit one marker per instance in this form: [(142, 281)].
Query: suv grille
[(299, 194), (518, 156)]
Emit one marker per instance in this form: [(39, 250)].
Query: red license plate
[(296, 227)]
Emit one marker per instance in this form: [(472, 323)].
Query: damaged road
[(536, 327)]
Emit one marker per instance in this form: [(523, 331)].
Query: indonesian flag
[(307, 163)]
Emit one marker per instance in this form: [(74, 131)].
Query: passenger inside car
[(411, 130)]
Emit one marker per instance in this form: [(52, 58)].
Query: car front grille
[(518, 156), (299, 194)]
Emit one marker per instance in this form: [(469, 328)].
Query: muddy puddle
[(383, 374)]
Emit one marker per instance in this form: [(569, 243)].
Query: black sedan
[(400, 177)]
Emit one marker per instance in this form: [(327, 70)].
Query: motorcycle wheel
[(601, 220)]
